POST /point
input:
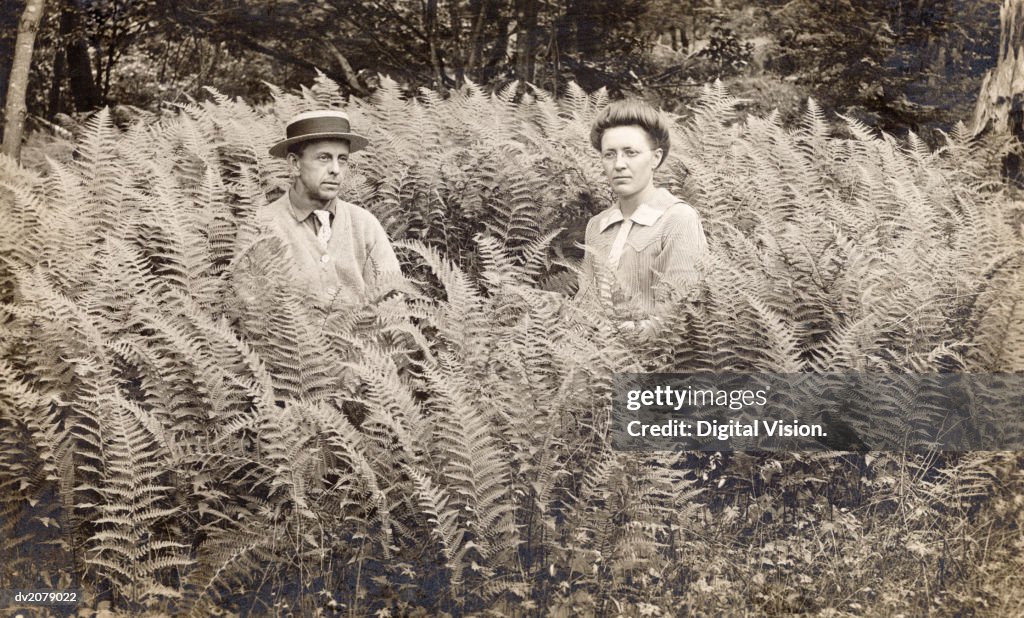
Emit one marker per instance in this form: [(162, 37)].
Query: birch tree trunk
[(14, 107), (1000, 106)]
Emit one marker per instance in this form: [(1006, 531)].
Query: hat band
[(323, 124)]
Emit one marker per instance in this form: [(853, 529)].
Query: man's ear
[(293, 162)]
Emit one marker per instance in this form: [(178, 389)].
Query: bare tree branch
[(346, 68)]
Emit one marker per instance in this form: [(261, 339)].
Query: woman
[(644, 249)]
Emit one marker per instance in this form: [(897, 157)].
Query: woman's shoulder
[(681, 211), (675, 208), (596, 222)]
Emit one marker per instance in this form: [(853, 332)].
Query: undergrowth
[(169, 449)]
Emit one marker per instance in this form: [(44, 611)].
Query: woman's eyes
[(629, 153)]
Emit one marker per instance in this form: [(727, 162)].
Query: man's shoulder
[(278, 204), (274, 211), (359, 215), (355, 209), (367, 231)]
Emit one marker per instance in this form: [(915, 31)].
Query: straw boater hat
[(322, 124)]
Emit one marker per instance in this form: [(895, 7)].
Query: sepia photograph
[(525, 308)]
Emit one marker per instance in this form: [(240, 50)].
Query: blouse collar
[(647, 213)]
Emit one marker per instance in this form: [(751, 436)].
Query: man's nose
[(335, 166)]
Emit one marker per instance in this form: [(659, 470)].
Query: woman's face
[(628, 159)]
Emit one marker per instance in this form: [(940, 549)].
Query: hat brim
[(355, 142)]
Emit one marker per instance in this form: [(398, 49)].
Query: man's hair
[(632, 113), (298, 148)]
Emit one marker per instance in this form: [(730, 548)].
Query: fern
[(195, 434), (133, 507)]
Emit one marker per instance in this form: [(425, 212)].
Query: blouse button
[(324, 258)]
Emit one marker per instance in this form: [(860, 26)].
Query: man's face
[(320, 169)]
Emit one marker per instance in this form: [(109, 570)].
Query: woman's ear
[(659, 154)]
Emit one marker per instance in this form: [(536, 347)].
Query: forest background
[(894, 64)]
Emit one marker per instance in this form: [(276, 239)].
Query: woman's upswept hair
[(632, 113)]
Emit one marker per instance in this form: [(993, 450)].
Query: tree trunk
[(569, 27), (430, 18), (14, 109), (1000, 106), (457, 57), (475, 45), (526, 39), (84, 91), (57, 82), (500, 46)]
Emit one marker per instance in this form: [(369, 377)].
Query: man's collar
[(647, 213), (303, 213)]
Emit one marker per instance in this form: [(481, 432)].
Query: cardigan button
[(325, 258)]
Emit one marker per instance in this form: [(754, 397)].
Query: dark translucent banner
[(818, 412)]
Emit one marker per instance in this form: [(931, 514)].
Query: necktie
[(324, 233)]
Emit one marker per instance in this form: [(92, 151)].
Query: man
[(339, 252)]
